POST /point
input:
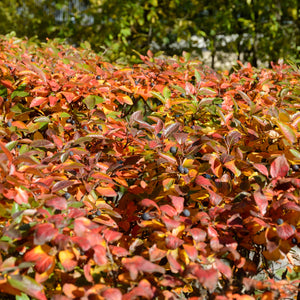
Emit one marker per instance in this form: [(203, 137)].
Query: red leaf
[(174, 264), (200, 180), (147, 202), (285, 231), (170, 223), (111, 235), (57, 203), (156, 254), (223, 268), (112, 294), (38, 101), (191, 251), (209, 278), (261, 201), (143, 290), (39, 255), (262, 169), (199, 235), (139, 264), (169, 210), (44, 233), (178, 203), (279, 167), (173, 242), (100, 255), (118, 251), (69, 96), (214, 198)]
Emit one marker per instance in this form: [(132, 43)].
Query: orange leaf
[(7, 152), (106, 191)]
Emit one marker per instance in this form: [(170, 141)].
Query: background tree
[(253, 30)]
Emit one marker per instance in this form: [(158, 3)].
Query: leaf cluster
[(162, 180)]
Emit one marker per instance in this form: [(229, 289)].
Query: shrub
[(93, 204)]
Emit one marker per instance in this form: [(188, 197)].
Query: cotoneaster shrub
[(164, 180)]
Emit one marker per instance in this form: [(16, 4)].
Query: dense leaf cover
[(164, 180)]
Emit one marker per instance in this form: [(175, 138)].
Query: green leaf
[(198, 76), (20, 94), (64, 115), (22, 297), (159, 97), (166, 93), (92, 100), (11, 145)]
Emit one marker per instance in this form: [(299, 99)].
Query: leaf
[(44, 233), (191, 251), (173, 242), (171, 129), (166, 93), (209, 278), (245, 97), (122, 98), (279, 167), (7, 152), (285, 231), (21, 196), (27, 285), (20, 94), (60, 185), (148, 202), (169, 158), (38, 101), (178, 203), (106, 191), (174, 264), (40, 256), (68, 260), (223, 268), (214, 198), (143, 290), (112, 294), (111, 235), (261, 201), (262, 169), (198, 234), (139, 264), (288, 132), (158, 96), (42, 144), (92, 100), (156, 254)]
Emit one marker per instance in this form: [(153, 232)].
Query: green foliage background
[(263, 30)]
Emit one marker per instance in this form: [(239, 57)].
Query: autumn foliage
[(163, 180)]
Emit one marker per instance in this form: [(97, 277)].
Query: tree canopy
[(253, 30)]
